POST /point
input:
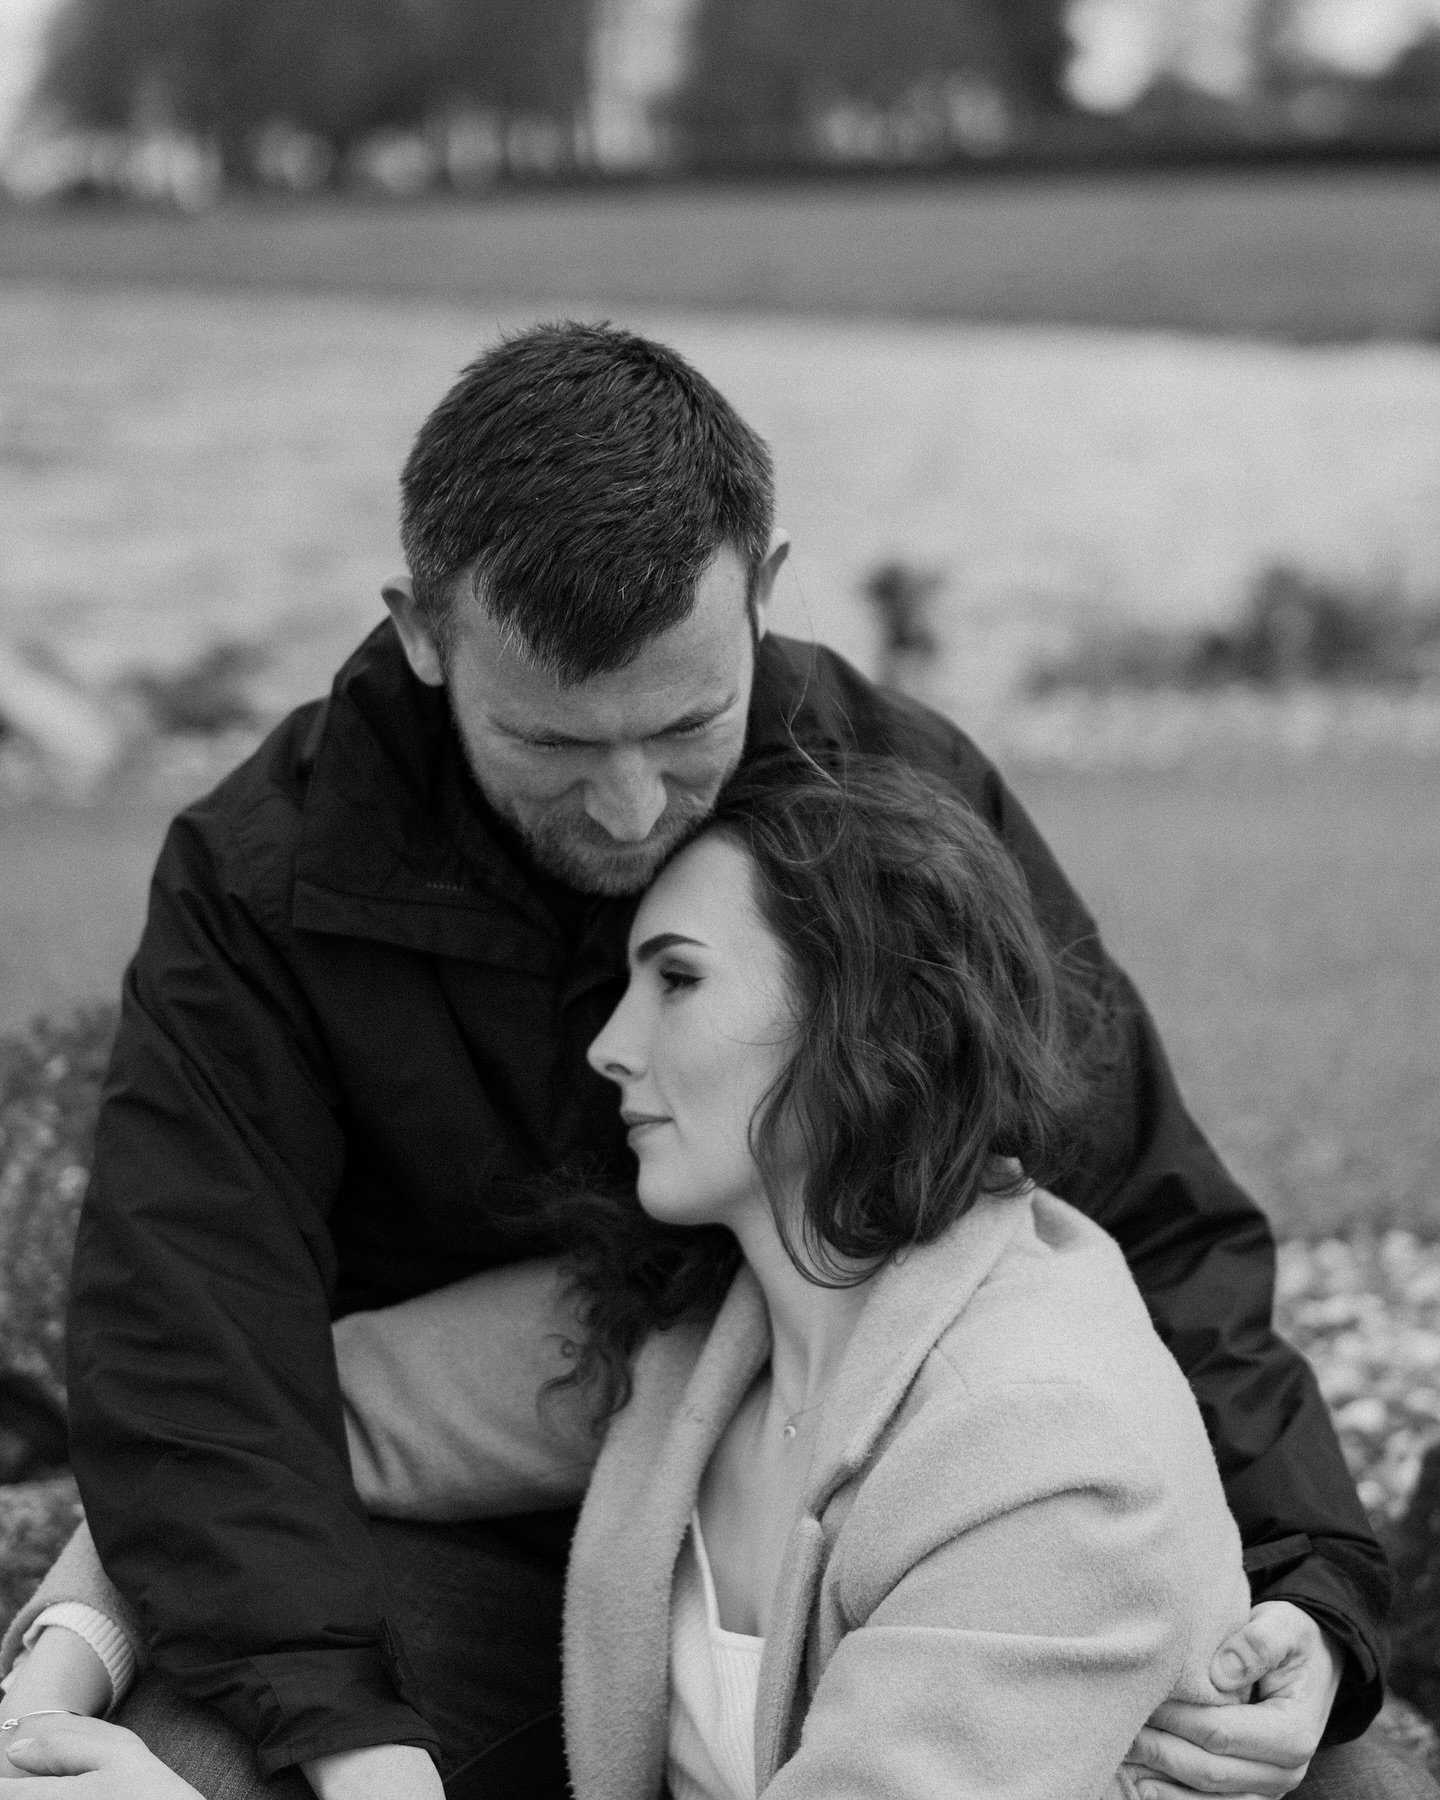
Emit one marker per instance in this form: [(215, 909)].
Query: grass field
[(1281, 921), (1313, 254)]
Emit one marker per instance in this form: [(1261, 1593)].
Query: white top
[(714, 1679)]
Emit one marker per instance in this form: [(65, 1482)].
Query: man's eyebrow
[(662, 940), (702, 715)]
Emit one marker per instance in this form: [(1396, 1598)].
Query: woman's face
[(704, 1029)]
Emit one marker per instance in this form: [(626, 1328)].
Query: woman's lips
[(638, 1124)]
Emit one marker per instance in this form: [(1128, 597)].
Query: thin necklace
[(789, 1429)]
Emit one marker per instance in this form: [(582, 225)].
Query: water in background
[(180, 468)]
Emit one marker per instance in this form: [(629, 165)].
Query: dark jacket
[(352, 1035)]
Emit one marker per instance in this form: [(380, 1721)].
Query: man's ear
[(765, 578), (417, 634)]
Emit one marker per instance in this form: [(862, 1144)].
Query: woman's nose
[(613, 1053)]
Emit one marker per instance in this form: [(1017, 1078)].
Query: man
[(354, 1036)]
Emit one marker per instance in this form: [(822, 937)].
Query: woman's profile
[(895, 1489)]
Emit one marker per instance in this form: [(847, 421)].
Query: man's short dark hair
[(589, 476)]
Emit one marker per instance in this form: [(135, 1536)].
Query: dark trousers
[(478, 1609)]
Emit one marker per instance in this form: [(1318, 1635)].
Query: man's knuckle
[(1216, 1736)]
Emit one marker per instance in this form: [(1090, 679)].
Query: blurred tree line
[(301, 93), (290, 89), (241, 74), (780, 80)]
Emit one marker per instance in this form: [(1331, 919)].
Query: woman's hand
[(89, 1759), (60, 1670)]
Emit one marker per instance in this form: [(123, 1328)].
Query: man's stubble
[(573, 848)]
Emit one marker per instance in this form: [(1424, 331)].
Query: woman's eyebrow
[(662, 940)]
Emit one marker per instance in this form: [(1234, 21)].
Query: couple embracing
[(608, 1056)]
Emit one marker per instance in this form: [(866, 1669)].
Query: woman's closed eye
[(675, 978)]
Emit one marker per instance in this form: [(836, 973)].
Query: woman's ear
[(417, 634)]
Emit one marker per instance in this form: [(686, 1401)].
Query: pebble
[(1365, 1310)]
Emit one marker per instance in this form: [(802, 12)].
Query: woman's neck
[(810, 1325)]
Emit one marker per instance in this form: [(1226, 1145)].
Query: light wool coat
[(1013, 1542)]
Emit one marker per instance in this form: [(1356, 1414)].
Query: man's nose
[(626, 796)]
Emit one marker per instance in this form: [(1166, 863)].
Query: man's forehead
[(694, 668)]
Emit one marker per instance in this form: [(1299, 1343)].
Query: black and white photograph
[(720, 899)]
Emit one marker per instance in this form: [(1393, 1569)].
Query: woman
[(898, 1492)]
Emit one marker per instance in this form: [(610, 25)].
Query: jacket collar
[(395, 843)]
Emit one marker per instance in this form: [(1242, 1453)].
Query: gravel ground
[(1365, 1309), (1366, 1312)]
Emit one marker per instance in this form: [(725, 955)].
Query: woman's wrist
[(377, 1772), (59, 1670)]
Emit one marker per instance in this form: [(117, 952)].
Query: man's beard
[(584, 856)]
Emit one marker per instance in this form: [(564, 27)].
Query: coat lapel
[(688, 1384), (916, 1299), (914, 1302)]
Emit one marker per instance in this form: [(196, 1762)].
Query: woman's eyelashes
[(676, 977)]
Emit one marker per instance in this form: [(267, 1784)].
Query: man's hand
[(89, 1759), (380, 1772), (1254, 1752)]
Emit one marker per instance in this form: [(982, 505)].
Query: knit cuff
[(103, 1636)]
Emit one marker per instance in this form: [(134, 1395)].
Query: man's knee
[(199, 1745), (1368, 1769)]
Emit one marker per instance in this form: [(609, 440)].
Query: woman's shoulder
[(1059, 1303), (1049, 1394)]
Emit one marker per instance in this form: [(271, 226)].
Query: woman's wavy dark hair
[(940, 1048)]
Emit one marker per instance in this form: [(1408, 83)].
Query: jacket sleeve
[(206, 1423), (425, 1443), (1203, 1256), (1007, 1635)]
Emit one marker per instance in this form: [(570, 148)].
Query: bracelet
[(41, 1712)]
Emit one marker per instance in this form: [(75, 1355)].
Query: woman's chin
[(672, 1202), (667, 1207)]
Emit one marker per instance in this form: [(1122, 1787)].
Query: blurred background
[(1098, 342)]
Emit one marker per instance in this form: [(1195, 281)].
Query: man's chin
[(604, 869)]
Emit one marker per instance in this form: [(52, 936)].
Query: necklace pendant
[(788, 1429)]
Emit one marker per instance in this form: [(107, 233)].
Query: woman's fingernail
[(1232, 1665), (18, 1744)]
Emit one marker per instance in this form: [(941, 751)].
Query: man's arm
[(1203, 1256), (206, 1423)]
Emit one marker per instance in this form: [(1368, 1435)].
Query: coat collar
[(688, 1384), (914, 1302), (916, 1298)]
